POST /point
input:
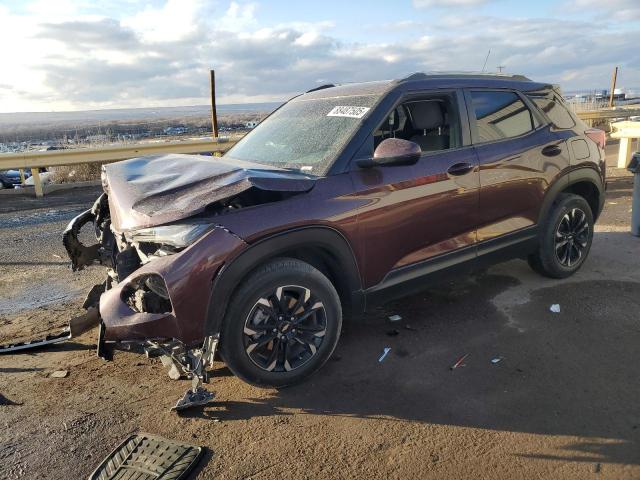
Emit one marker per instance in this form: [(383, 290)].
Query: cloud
[(106, 33), (161, 55), (623, 10)]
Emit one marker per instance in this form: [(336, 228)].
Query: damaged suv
[(344, 197)]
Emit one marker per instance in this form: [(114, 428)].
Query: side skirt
[(411, 279)]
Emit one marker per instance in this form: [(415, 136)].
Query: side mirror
[(393, 151)]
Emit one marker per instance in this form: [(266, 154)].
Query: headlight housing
[(179, 235)]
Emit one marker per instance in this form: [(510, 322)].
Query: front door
[(414, 213)]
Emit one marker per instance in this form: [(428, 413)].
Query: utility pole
[(500, 68), (214, 115), (613, 86)]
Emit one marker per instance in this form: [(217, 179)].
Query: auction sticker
[(346, 111)]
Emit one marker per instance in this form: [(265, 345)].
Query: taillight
[(597, 136)]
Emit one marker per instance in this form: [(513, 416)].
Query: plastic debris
[(393, 333), (59, 374), (395, 318), (496, 360), (555, 308), (384, 354), (459, 362)]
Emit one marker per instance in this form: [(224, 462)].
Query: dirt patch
[(561, 403)]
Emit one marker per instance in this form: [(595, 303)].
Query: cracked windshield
[(305, 135)]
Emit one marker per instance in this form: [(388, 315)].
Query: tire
[(264, 341), (565, 238)]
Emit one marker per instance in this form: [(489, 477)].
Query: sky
[(59, 55)]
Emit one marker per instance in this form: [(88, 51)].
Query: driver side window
[(432, 122)]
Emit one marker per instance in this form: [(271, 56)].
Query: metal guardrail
[(56, 158), (609, 113)]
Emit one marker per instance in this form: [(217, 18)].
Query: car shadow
[(568, 374)]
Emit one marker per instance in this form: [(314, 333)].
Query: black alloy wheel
[(284, 330), (572, 237)]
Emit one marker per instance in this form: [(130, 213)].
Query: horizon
[(74, 55)]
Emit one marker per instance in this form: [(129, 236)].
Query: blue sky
[(83, 54)]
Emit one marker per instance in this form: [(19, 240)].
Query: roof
[(426, 81)]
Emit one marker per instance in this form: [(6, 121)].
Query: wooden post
[(613, 86), (37, 184), (21, 170), (214, 115)]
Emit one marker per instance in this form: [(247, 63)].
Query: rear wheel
[(566, 238), (282, 324)]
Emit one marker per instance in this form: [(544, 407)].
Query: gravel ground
[(561, 403)]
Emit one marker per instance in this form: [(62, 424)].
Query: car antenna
[(485, 60)]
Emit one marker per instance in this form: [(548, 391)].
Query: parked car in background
[(344, 197), (11, 178)]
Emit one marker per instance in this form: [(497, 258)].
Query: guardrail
[(608, 113), (57, 158)]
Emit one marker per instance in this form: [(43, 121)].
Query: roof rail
[(321, 87), (425, 76)]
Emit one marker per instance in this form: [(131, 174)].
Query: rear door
[(517, 160), (415, 213)]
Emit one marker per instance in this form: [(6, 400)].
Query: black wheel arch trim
[(584, 174), (231, 274)]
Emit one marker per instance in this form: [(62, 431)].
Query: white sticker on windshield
[(350, 112)]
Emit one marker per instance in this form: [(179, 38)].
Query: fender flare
[(232, 273), (565, 181)]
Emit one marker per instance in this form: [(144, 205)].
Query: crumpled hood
[(154, 190)]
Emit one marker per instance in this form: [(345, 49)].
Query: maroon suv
[(344, 197)]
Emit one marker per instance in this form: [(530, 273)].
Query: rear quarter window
[(554, 109)]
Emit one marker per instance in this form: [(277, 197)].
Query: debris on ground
[(393, 333), (149, 456), (384, 354), (459, 362), (395, 318), (6, 402), (555, 308), (409, 327), (191, 398), (496, 360), (57, 256), (59, 374)]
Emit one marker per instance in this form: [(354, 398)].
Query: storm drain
[(148, 457)]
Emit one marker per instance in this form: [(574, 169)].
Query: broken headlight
[(178, 235)]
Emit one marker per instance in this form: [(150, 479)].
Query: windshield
[(305, 135)]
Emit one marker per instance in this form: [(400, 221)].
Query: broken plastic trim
[(147, 294), (80, 255)]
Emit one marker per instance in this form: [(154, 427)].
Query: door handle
[(460, 168), (551, 150)]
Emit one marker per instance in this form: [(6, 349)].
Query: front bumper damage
[(165, 298), (154, 303)]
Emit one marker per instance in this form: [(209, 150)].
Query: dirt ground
[(561, 403)]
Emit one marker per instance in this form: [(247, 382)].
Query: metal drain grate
[(148, 457)]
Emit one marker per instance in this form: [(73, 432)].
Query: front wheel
[(282, 324), (566, 238)]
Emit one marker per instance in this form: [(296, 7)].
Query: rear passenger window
[(500, 115), (554, 109)]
